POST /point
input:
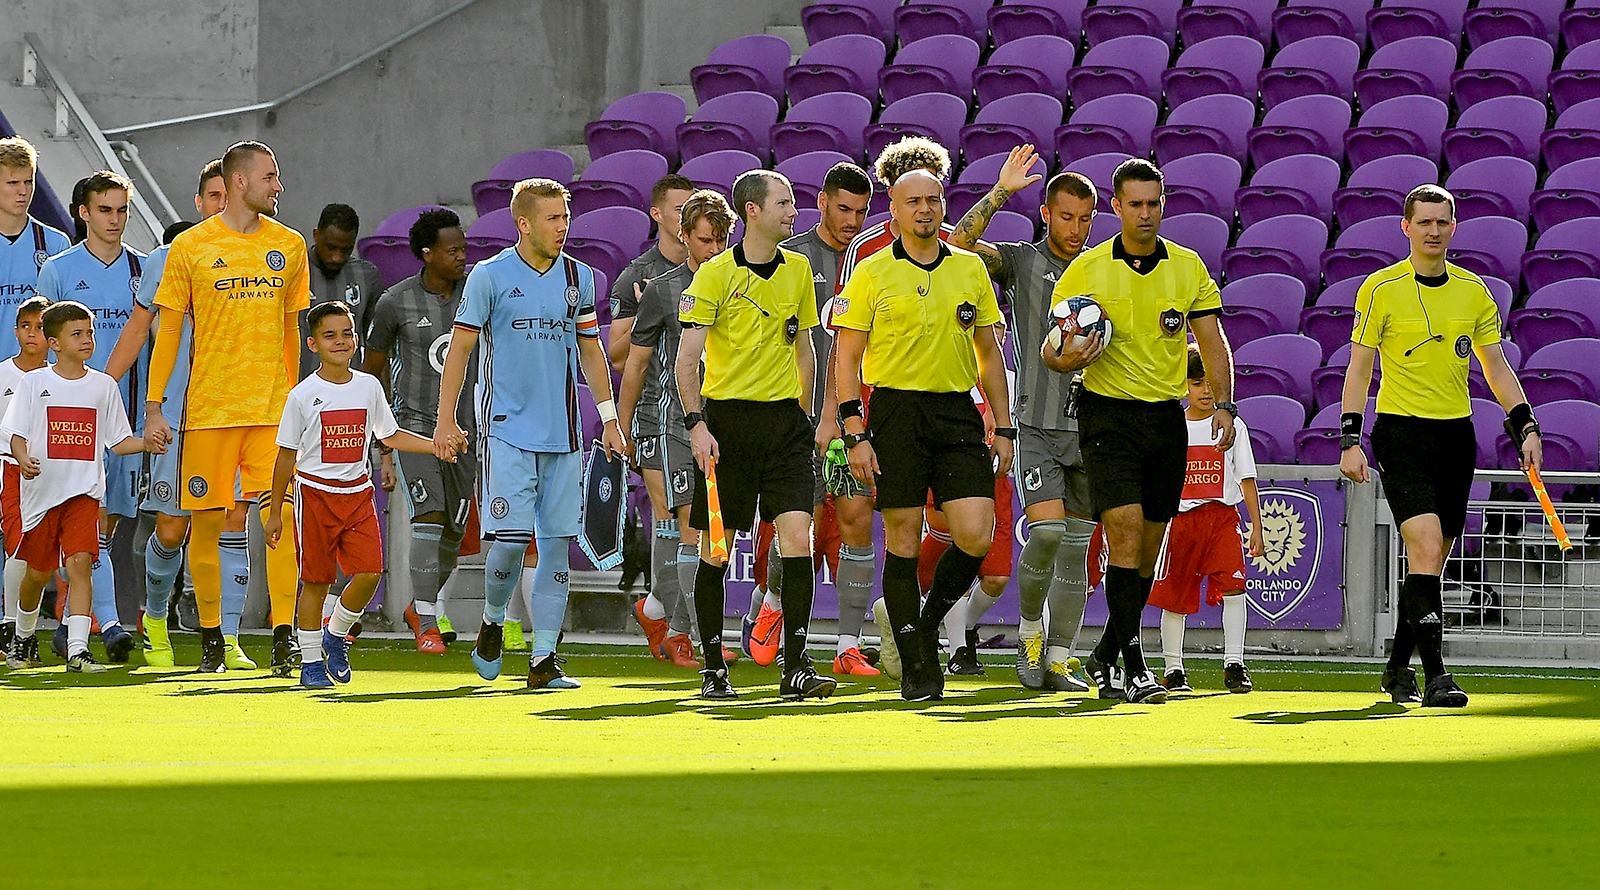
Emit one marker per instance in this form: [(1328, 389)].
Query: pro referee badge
[(1171, 321), (966, 313), (791, 329), (1463, 346)]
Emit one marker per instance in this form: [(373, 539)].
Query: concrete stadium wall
[(416, 126)]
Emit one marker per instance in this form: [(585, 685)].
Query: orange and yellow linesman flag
[(719, 535), (1549, 510)]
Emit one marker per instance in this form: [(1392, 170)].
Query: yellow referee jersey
[(1424, 328), (919, 319), (753, 321), (1149, 301)]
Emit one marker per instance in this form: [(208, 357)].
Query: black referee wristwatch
[(851, 440), (692, 420), (1231, 407), (1010, 432)]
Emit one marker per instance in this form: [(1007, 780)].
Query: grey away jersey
[(1027, 277), (659, 410), (825, 273), (624, 304), (412, 326), (358, 284)]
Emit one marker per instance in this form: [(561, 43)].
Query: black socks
[(708, 604), (795, 595)]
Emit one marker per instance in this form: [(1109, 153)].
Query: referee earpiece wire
[(746, 294), (1425, 320)]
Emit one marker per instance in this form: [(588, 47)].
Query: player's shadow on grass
[(758, 702), (420, 695), (57, 677), (1071, 707), (1376, 711)]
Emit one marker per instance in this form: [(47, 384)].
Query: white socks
[(1234, 613), (78, 634), (1172, 626), (310, 645)]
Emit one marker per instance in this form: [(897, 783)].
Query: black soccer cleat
[(1177, 680), (1444, 693), (1143, 689), (119, 644), (285, 652), (805, 683), (872, 655), (1104, 677), (964, 663), (8, 632), (546, 673), (1236, 677), (23, 653), (214, 652), (1401, 685), (714, 685), (928, 658)]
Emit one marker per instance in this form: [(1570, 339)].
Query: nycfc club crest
[(605, 490), (572, 296), (498, 508), (163, 491), (966, 313), (275, 260), (1463, 346), (1291, 532), (197, 486), (133, 285), (1171, 322), (39, 256)]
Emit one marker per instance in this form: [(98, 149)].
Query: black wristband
[(852, 408), (692, 420), (1520, 422), (1348, 441), (1010, 432), (1350, 424)]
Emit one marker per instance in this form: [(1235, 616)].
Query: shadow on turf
[(1381, 710), (758, 702)]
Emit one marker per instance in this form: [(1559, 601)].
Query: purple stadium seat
[(1581, 24), (1289, 244), (392, 255), (1379, 187), (1402, 125), (1502, 293), (1323, 64), (1303, 125), (1575, 136), (1577, 79), (1398, 19), (1409, 67), (1037, 64), (1510, 66), (919, 19), (1566, 250), (1262, 305), (1010, 121), (871, 17), (625, 228), (1569, 192), (1570, 430), (1493, 19), (718, 169), (1202, 233), (1327, 382), (1099, 168), (1277, 365), (1227, 64), (1104, 226), (1016, 19), (1203, 183), (1365, 248), (398, 224), (1492, 187), (978, 178), (938, 116), (494, 192), (752, 62), (1009, 225), (1561, 311), (942, 63), (498, 225), (1504, 125), (1489, 245), (1488, 427), (622, 179), (1312, 18), (806, 173), (847, 63), (806, 218), (1301, 184), (741, 120), (1216, 123), (1213, 18), (1272, 421), (1131, 64), (1110, 123), (1318, 443), (1119, 18), (1564, 370), (829, 122), (1330, 321), (643, 120)]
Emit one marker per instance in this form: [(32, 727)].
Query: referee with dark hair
[(749, 311), (1426, 316), (918, 322), (1130, 421)]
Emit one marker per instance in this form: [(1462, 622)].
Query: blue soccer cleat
[(58, 640), (119, 643), (336, 652), (486, 654), (314, 675), (747, 629)]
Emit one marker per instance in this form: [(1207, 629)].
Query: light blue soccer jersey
[(20, 261), (529, 326), (154, 265), (107, 290)]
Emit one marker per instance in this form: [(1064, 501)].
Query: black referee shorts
[(928, 441), (1426, 466), (766, 460), (1134, 452)]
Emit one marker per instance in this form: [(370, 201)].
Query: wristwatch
[(851, 440), (692, 420), (1231, 407)]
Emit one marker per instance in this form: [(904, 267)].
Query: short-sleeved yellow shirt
[(753, 323), (239, 292), (1425, 329), (1149, 301), (920, 320)]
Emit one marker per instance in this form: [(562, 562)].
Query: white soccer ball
[(1076, 317)]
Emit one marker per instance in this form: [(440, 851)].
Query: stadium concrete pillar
[(1363, 576)]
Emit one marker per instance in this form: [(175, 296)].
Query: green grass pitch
[(419, 775)]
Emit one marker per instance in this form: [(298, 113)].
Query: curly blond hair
[(911, 153)]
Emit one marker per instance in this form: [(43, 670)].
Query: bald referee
[(749, 311), (1131, 424), (919, 323), (1426, 316)]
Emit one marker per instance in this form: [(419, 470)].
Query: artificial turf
[(419, 774)]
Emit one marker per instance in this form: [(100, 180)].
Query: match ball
[(1076, 317)]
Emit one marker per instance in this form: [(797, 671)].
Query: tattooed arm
[(1013, 176)]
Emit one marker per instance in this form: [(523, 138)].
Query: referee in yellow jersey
[(1426, 316), (918, 322), (748, 311), (1130, 422)]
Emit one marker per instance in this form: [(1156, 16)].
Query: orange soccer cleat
[(655, 630), (767, 638), (680, 651), (852, 662)]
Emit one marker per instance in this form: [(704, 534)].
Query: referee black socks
[(708, 603), (1126, 592), (900, 602), (795, 594), (1424, 608), (953, 575)]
